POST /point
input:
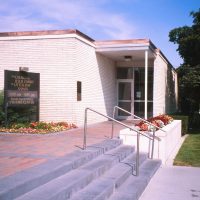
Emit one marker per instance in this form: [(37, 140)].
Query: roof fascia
[(121, 48), (39, 37)]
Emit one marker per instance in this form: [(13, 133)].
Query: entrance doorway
[(125, 97), (131, 91)]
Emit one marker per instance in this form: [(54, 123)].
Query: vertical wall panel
[(97, 74), (165, 92), (159, 93)]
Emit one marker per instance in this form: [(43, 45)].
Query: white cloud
[(90, 16), (16, 23)]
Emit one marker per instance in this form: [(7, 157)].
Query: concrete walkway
[(174, 183), (22, 151)]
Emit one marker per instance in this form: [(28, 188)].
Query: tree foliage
[(189, 88), (188, 41)]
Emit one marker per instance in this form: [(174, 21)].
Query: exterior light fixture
[(127, 58)]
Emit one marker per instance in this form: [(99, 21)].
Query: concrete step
[(135, 185), (104, 187), (66, 185), (25, 181)]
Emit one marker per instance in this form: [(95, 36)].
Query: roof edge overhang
[(45, 32), (49, 34), (136, 44), (126, 47)]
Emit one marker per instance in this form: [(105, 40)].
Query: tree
[(188, 41), (189, 88)]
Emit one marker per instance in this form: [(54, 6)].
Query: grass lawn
[(189, 153)]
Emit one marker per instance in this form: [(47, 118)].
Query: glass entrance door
[(131, 91), (125, 97)]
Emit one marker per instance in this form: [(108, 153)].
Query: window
[(79, 91), (139, 91)]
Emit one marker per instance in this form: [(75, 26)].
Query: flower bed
[(164, 148), (159, 121), (38, 127)]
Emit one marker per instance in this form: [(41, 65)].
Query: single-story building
[(78, 72)]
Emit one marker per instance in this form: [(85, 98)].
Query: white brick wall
[(165, 94), (159, 87), (61, 62), (53, 59), (97, 74)]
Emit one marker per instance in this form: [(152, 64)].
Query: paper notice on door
[(138, 94)]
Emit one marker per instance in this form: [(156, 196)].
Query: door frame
[(132, 97)]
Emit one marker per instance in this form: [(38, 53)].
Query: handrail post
[(112, 131), (85, 130), (138, 155), (152, 149)]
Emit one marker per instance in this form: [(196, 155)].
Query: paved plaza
[(21, 151)]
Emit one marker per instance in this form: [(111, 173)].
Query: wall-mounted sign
[(21, 88)]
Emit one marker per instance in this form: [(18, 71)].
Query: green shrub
[(43, 125), (2, 114), (21, 115), (194, 121), (185, 121), (1, 97), (20, 125), (2, 117)]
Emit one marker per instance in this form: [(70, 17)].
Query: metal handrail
[(119, 108), (112, 119), (154, 136)]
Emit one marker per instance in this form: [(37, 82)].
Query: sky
[(103, 19)]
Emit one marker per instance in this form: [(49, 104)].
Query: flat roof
[(77, 32), (45, 32)]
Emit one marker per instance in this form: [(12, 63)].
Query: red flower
[(158, 121)]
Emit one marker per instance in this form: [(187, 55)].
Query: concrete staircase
[(102, 171)]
